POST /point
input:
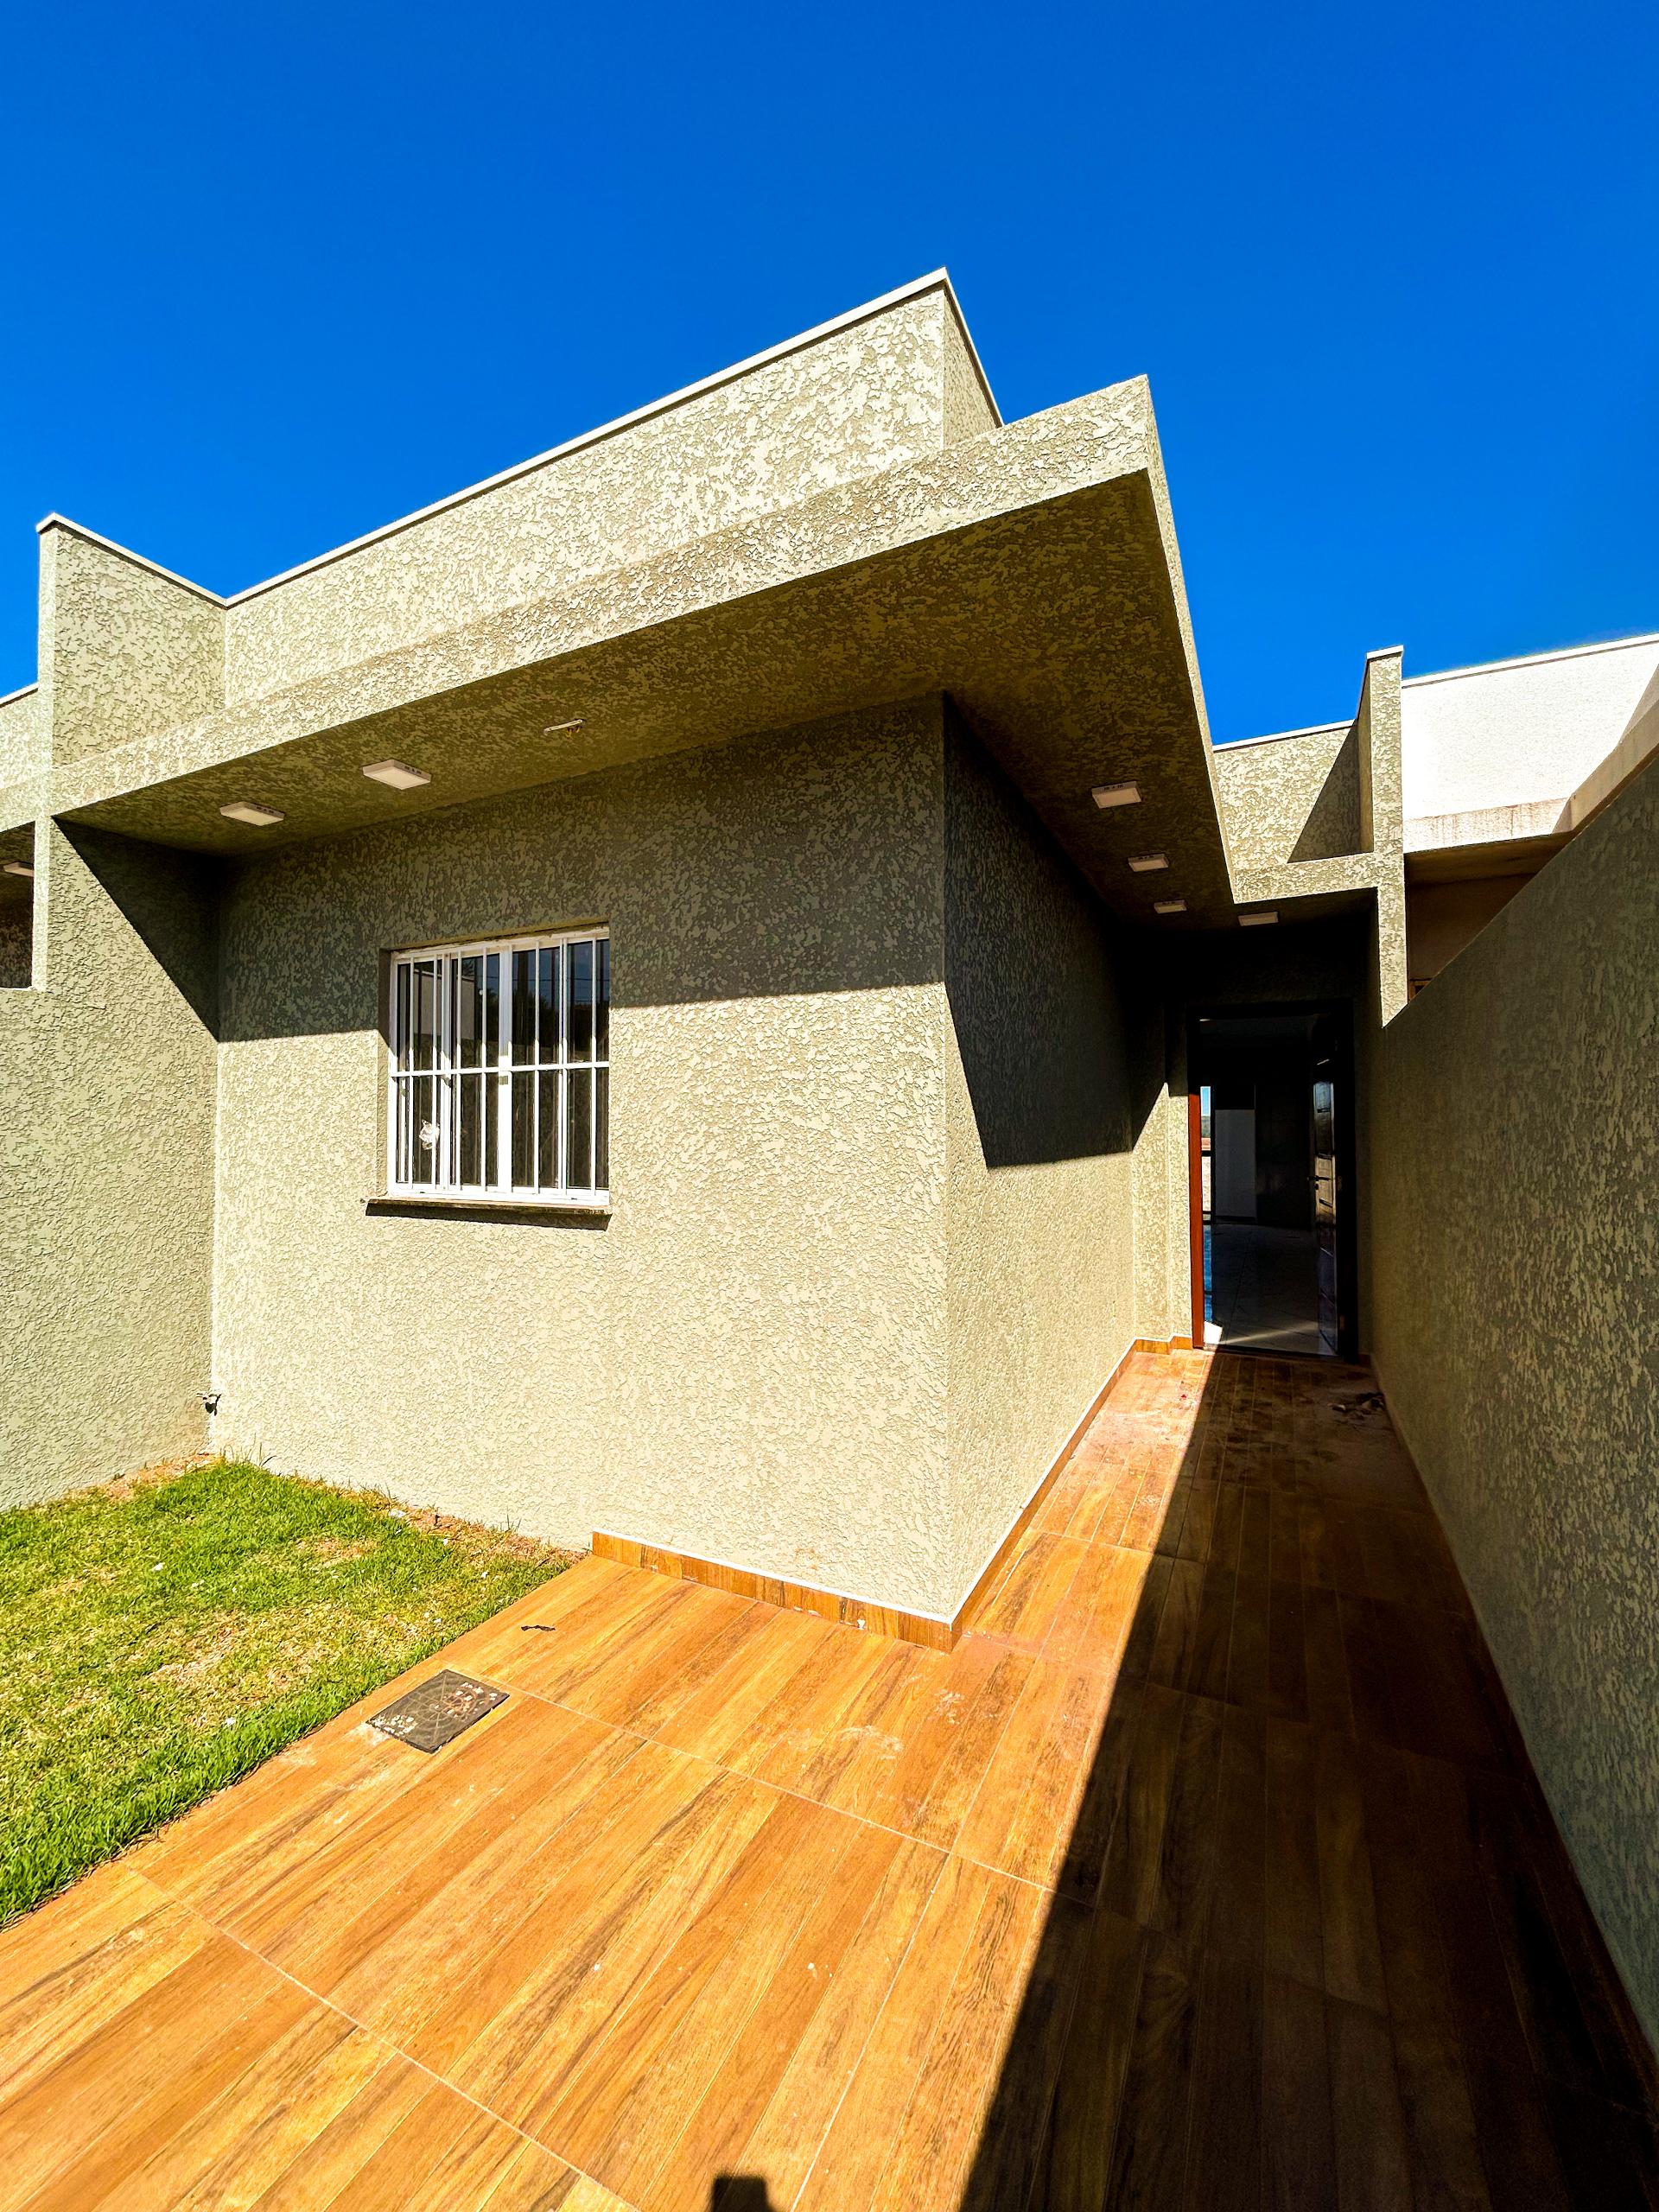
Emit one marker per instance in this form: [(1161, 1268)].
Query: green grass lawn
[(160, 1637)]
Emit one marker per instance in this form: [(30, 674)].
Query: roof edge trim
[(125, 553), (1532, 660), (936, 280), (21, 692), (1279, 736)]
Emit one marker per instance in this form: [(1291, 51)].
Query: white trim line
[(1532, 660), (55, 521), (21, 692), (1278, 736), (1445, 675), (936, 280)]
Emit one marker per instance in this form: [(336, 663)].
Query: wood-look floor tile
[(906, 2130), (1026, 1604), (1207, 1870), (1021, 1820)]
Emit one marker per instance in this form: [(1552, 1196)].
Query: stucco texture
[(747, 1360), (1515, 1328), (871, 1251), (24, 738), (1041, 1218), (106, 1132), (857, 401), (1290, 799), (124, 652)]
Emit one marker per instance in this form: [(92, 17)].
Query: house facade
[(666, 1000)]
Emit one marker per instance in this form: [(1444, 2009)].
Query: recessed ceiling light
[(20, 867), (1169, 906), (1118, 795), (243, 810), (1260, 919), (397, 773), (1145, 863), (563, 729)]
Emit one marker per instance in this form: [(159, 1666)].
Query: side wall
[(1515, 1328), (1038, 1115), (106, 1138), (747, 1360)]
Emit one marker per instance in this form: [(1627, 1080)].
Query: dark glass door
[(1326, 1186)]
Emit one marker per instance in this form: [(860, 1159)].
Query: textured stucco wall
[(860, 400), (1516, 1326), (23, 742), (124, 652), (749, 1361), (1163, 1275), (16, 942), (106, 1132), (1290, 799), (1038, 1104), (1442, 917)]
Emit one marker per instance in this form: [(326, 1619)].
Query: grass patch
[(160, 1637)]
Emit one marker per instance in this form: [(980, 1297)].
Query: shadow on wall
[(1333, 825), (171, 899), (777, 868), (1034, 974)]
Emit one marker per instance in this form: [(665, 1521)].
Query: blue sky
[(271, 276)]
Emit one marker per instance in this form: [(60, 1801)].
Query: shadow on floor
[(1316, 1940)]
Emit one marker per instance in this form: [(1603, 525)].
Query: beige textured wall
[(23, 741), (1163, 1271), (1516, 1325), (124, 652), (1442, 917), (1040, 1210), (16, 942), (106, 1131), (1290, 799), (890, 389), (749, 1361)]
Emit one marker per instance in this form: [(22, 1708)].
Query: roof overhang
[(1031, 573)]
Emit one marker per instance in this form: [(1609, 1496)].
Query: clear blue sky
[(272, 275)]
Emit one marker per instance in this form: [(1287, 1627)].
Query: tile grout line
[(385, 2043)]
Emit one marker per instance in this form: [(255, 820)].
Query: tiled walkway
[(1203, 1872)]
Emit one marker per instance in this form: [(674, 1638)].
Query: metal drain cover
[(435, 1712)]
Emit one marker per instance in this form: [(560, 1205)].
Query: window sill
[(443, 1202)]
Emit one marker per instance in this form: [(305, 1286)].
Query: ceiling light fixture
[(1147, 863), (1258, 920), (563, 729), (257, 817), (1116, 795), (1169, 906), (20, 867), (397, 774)]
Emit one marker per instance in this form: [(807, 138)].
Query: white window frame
[(419, 1096)]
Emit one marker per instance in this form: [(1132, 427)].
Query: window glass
[(498, 1079)]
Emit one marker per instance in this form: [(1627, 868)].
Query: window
[(499, 1083)]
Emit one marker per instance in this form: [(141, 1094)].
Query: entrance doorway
[(1273, 1201)]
